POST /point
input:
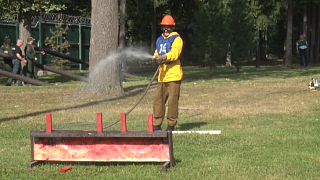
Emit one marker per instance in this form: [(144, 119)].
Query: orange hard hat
[(167, 21)]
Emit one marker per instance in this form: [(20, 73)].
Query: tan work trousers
[(169, 91)]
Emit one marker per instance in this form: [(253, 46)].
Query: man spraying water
[(167, 55)]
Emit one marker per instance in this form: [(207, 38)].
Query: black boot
[(170, 128), (157, 128)]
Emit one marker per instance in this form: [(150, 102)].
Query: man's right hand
[(25, 61), (161, 59), (6, 52)]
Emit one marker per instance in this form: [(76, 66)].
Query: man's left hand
[(36, 59), (43, 53)]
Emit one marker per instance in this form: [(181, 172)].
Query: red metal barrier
[(99, 123), (123, 122), (49, 123), (150, 122), (102, 146)]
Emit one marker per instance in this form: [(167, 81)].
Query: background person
[(7, 49), (31, 70), (16, 59), (302, 50)]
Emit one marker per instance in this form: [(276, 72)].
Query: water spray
[(144, 93), (100, 67), (135, 105)]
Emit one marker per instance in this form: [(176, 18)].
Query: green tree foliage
[(265, 13), (242, 32), (220, 27), (208, 24), (141, 13), (211, 33), (54, 43), (138, 14), (9, 7), (26, 8), (70, 7), (77, 8)]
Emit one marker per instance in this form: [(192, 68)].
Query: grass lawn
[(269, 122)]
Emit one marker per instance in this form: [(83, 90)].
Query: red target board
[(101, 149), (101, 146)]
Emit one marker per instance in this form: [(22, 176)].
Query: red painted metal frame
[(123, 122), (150, 122), (49, 123), (99, 123), (102, 146)]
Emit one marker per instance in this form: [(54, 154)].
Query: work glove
[(156, 60), (161, 58)]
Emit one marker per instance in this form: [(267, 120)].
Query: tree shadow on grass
[(191, 125), (73, 107), (131, 88), (129, 92), (57, 78)]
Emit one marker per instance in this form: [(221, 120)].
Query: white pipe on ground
[(198, 132)]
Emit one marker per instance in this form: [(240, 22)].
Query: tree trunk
[(122, 32), (24, 33), (258, 57), (153, 24), (211, 68), (308, 37), (305, 20), (238, 65), (318, 37), (104, 74), (288, 58), (24, 28), (262, 44), (313, 35)]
